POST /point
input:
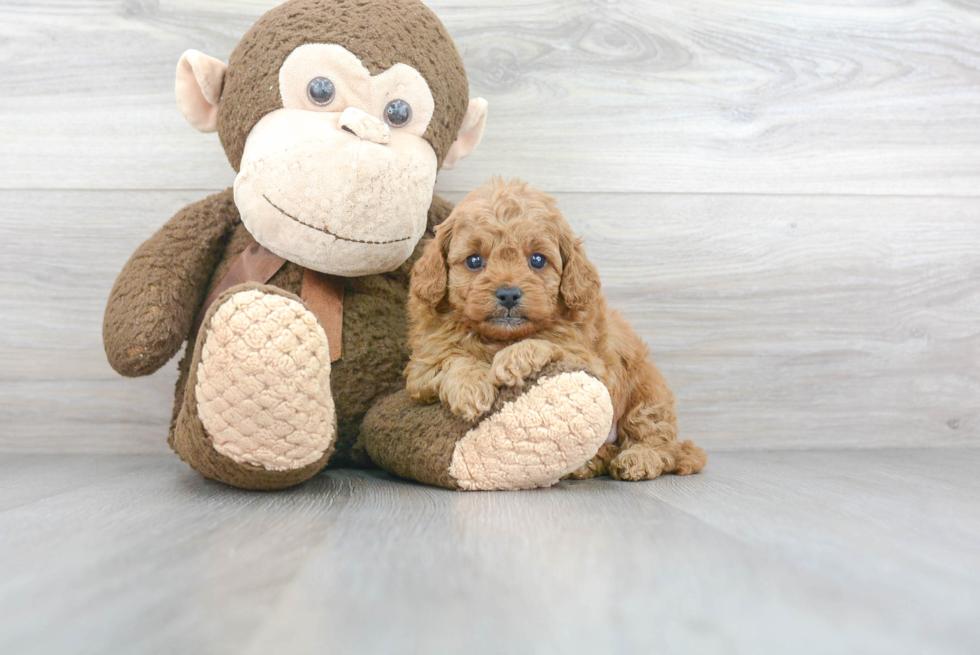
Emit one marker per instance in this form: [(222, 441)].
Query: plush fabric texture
[(365, 126), (263, 383), (372, 29), (418, 441), (550, 431), (204, 240), (343, 220), (323, 294), (375, 343), (355, 87), (193, 444), (470, 134), (198, 89), (256, 264), (412, 440), (155, 299)]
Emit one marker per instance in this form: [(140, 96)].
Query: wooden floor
[(765, 552)]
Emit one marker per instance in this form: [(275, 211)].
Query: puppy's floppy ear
[(579, 278), (429, 275)]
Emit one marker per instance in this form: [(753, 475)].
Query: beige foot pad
[(546, 433), (263, 384)]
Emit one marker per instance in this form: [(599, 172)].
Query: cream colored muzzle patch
[(550, 431), (263, 384), (326, 199)]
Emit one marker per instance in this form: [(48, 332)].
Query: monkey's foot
[(532, 437), (263, 382), (534, 441)]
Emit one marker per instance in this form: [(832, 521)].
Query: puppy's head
[(505, 263)]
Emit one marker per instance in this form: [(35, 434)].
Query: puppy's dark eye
[(397, 113), (537, 260), (474, 262), (321, 91)]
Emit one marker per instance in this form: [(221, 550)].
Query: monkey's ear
[(429, 275), (199, 82), (470, 134)]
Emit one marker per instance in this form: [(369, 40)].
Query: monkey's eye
[(398, 113), (321, 91), (537, 260), (474, 262)]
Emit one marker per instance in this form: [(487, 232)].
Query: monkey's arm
[(157, 295)]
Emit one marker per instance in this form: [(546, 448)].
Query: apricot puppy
[(503, 290)]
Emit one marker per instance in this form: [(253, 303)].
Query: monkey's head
[(337, 115)]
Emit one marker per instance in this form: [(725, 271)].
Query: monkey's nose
[(509, 296), (364, 126)]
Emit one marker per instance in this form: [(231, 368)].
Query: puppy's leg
[(466, 388), (598, 465), (519, 361), (423, 379), (647, 461), (648, 433)]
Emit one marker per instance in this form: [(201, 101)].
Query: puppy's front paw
[(469, 398), (517, 362), (638, 462)]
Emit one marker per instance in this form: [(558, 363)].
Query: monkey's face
[(337, 115), (340, 179)]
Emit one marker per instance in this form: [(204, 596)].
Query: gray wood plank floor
[(765, 552)]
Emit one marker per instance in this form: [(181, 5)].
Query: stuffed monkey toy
[(290, 288)]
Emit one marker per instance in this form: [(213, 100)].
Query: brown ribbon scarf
[(322, 293)]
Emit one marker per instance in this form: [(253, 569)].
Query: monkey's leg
[(257, 410), (532, 437)]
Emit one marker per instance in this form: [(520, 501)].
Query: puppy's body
[(503, 290)]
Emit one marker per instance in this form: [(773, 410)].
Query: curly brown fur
[(467, 344)]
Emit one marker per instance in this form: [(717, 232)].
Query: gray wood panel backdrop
[(783, 196)]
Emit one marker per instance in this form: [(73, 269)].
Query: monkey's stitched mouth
[(326, 231)]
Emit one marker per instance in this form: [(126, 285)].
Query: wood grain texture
[(780, 321), (749, 96), (806, 552)]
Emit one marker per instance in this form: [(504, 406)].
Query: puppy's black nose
[(509, 296)]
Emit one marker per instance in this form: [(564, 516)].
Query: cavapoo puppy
[(503, 290)]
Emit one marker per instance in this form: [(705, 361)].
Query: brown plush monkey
[(290, 288)]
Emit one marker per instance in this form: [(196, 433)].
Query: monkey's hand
[(466, 388), (157, 295), (519, 361)]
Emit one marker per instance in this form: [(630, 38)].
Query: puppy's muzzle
[(509, 296)]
